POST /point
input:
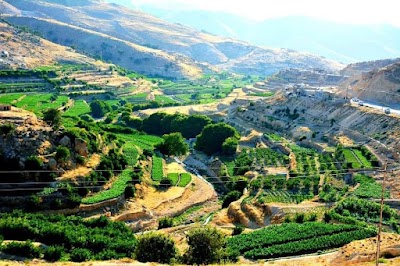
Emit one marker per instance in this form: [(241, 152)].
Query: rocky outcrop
[(380, 86), (81, 147), (364, 67)]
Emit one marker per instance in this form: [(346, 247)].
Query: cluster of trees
[(100, 239), (99, 108), (211, 138)]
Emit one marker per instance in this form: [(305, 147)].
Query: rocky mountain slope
[(362, 67), (165, 48), (381, 85), (26, 50)]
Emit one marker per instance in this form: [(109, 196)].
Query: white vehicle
[(361, 103), (387, 110), (355, 100)]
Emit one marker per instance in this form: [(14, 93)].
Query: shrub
[(53, 253), (299, 218), (62, 154), (80, 255), (80, 160), (33, 163), (7, 129), (238, 230), (22, 249), (165, 183), (231, 197), (129, 192), (154, 247), (165, 222)]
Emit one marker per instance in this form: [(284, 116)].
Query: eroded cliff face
[(380, 86)]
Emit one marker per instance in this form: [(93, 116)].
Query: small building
[(4, 107), (4, 53)]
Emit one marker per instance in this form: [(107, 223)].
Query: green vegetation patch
[(368, 188), (295, 239), (79, 108), (186, 178), (96, 239), (174, 177), (116, 190), (157, 172)]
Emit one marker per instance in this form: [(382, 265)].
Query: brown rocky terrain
[(139, 41), (26, 50), (381, 85), (362, 67)]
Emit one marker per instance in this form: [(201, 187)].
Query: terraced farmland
[(295, 239)]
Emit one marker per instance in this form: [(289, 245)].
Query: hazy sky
[(344, 11)]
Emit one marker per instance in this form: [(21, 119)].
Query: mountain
[(362, 67), (381, 85), (342, 42), (149, 45), (26, 50)]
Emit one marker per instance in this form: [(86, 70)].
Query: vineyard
[(368, 188), (305, 160), (282, 196), (295, 239), (357, 157)]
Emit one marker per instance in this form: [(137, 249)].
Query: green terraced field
[(79, 108)]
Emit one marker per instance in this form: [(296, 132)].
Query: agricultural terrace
[(295, 239), (157, 169)]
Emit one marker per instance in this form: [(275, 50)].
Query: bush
[(299, 218), (80, 255), (22, 249), (165, 222), (165, 183), (7, 129), (238, 230), (129, 192), (62, 154), (80, 160), (231, 197), (206, 246), (154, 247), (53, 253), (33, 163)]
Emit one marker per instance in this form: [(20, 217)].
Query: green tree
[(33, 163), (231, 197), (53, 117), (229, 146), (190, 126), (7, 129), (206, 245), (62, 154), (99, 108), (173, 144), (155, 247), (213, 136), (152, 124), (165, 222)]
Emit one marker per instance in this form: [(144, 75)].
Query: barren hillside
[(380, 85), (28, 51), (133, 27), (362, 67)]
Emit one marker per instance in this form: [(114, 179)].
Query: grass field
[(174, 177), (157, 172), (79, 108), (185, 179)]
